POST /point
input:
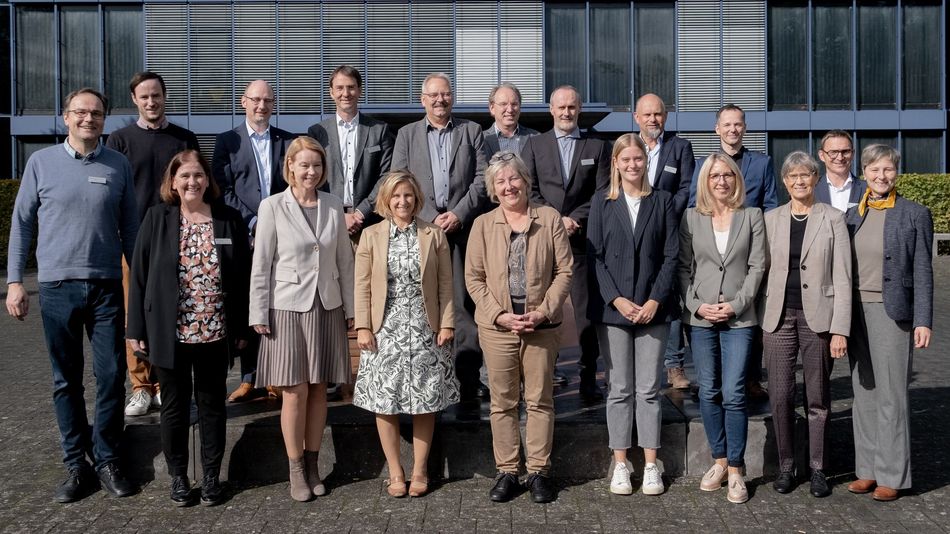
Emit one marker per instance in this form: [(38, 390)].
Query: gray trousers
[(634, 359), (881, 356)]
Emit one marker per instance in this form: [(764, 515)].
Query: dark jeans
[(675, 356), (209, 361), (69, 307), (720, 354), (248, 357)]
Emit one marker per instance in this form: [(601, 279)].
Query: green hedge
[(8, 191)]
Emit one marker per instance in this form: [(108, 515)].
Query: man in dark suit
[(447, 157), (247, 165), (758, 175), (671, 165), (359, 150), (566, 167), (838, 187), (504, 104)]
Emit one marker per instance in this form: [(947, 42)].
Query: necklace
[(804, 217)]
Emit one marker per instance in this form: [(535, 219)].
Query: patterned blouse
[(516, 271), (200, 297)]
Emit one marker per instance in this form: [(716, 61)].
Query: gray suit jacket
[(908, 269), (825, 270), (705, 275), (467, 193), (374, 153), (491, 139)]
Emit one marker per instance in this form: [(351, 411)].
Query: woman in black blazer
[(188, 303), (633, 245)]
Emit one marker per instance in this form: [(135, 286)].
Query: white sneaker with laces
[(138, 403), (652, 482), (620, 481), (157, 400)]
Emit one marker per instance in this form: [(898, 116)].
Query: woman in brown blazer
[(807, 309), (404, 326), (518, 272)]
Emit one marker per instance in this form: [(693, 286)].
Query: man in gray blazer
[(838, 187), (359, 150), (247, 165), (447, 156), (567, 167), (504, 104)]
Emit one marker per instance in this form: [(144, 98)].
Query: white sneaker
[(157, 400), (138, 403), (620, 482), (652, 482)]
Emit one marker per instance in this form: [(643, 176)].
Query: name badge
[(97, 180), (667, 168), (374, 148), (222, 240), (587, 161)]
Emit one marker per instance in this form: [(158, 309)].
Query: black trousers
[(586, 332), (209, 363)]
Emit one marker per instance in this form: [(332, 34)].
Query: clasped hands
[(716, 313), (521, 324), (635, 313)]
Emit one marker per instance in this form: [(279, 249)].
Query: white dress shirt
[(840, 196), (347, 132), (653, 160)]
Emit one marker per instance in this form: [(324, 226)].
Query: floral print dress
[(409, 373)]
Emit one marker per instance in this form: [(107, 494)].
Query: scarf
[(878, 204)]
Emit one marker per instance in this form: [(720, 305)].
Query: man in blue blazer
[(670, 168), (247, 165), (838, 187), (359, 150)]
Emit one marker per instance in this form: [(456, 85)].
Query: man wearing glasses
[(838, 186), (447, 156), (81, 196), (247, 165)]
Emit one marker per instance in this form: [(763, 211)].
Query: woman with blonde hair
[(302, 305), (633, 246), (405, 325), (722, 261)]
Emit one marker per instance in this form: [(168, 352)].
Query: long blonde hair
[(624, 142), (704, 200)]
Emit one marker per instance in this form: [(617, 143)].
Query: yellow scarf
[(878, 204)]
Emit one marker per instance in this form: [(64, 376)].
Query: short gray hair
[(799, 159), (877, 152), (504, 85), (433, 76)]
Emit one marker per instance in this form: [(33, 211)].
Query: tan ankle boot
[(299, 489), (313, 472)]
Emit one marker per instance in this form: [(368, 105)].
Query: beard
[(652, 133)]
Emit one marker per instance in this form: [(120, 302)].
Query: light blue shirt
[(261, 144), (565, 144)]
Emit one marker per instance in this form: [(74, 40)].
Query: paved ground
[(30, 470)]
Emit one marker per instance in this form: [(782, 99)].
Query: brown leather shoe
[(274, 392), (242, 393), (862, 485), (885, 494), (677, 378)]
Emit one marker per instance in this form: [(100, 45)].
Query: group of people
[(282, 244)]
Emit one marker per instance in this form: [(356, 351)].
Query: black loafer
[(819, 484), (114, 482), (785, 482), (541, 487), (79, 483), (181, 491), (506, 488), (212, 494)]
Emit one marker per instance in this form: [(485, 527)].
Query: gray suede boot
[(299, 488), (313, 472)]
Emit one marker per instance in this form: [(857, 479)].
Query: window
[(5, 65), (27, 145), (35, 60), (877, 56), (610, 54), (921, 152), (922, 54), (78, 48), (123, 53), (787, 63), (565, 47), (832, 56), (655, 48)]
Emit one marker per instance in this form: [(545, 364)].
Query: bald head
[(650, 115), (258, 104)]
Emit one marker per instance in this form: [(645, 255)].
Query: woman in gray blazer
[(893, 315), (722, 262), (302, 305), (632, 246), (806, 309)]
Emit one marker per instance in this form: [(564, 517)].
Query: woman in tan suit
[(722, 263), (518, 272), (807, 309), (301, 305), (404, 326)]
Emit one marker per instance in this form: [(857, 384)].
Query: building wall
[(799, 68)]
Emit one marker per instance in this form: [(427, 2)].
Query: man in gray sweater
[(81, 197)]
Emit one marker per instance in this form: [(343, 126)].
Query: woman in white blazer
[(807, 310), (302, 305), (722, 263)]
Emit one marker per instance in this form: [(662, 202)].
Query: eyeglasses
[(257, 100), (834, 154), (507, 155), (795, 178), (83, 113), (433, 96), (724, 177)]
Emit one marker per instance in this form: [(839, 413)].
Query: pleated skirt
[(304, 347)]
